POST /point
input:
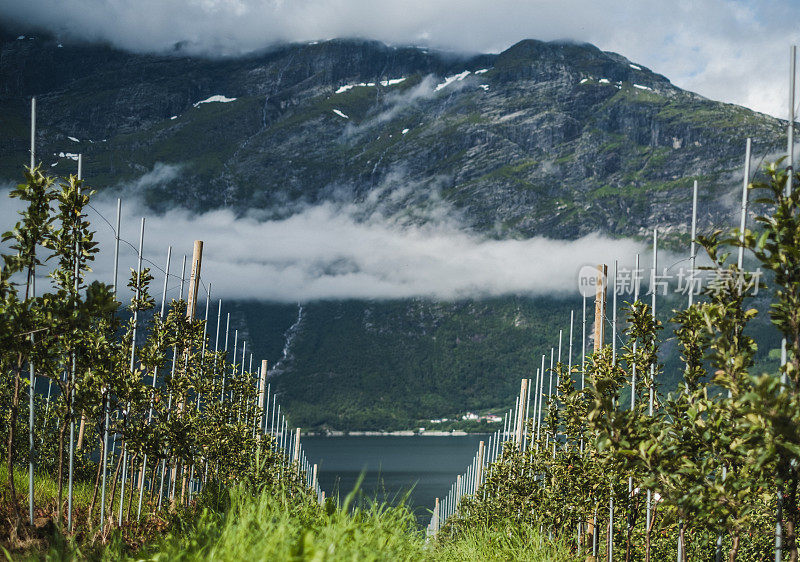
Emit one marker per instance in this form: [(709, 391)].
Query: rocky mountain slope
[(544, 138)]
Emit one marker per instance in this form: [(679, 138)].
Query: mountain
[(544, 138), (555, 139)]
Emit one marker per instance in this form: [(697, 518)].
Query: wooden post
[(523, 392), (479, 466), (191, 308), (296, 454), (600, 307), (194, 279), (599, 332), (314, 478), (262, 387), (436, 515)]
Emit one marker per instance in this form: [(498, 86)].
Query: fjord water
[(425, 466)]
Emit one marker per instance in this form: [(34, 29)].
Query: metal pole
[(216, 338), (76, 287), (108, 403), (227, 333), (611, 525), (31, 391), (558, 363), (788, 192), (692, 251), (527, 413), (233, 356), (516, 420), (614, 316), (635, 299), (272, 422), (152, 394), (743, 222), (536, 406), (266, 411), (132, 364), (116, 247), (166, 279), (541, 395), (571, 325), (32, 371), (790, 127), (653, 290), (33, 133), (583, 347)]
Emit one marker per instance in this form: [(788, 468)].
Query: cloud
[(397, 102), (161, 174), (729, 50), (344, 249)]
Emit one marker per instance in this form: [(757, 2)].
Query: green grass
[(45, 496), (45, 489), (508, 541), (275, 527)]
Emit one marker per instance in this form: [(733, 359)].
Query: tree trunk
[(61, 431), (734, 548), (184, 481), (173, 492), (10, 457), (113, 490), (96, 486), (133, 490), (683, 541), (153, 482), (791, 513), (648, 532)]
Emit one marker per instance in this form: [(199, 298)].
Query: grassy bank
[(275, 524), (272, 526)]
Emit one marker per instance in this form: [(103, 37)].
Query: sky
[(727, 50)]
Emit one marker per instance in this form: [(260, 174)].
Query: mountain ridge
[(594, 122)]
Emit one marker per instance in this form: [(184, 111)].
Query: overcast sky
[(734, 51)]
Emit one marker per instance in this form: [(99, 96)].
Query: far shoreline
[(402, 433)]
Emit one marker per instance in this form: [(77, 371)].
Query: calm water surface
[(392, 466)]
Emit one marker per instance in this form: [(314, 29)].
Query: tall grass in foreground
[(276, 526), (502, 542), (45, 489)]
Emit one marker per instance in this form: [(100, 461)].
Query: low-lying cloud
[(341, 250)]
